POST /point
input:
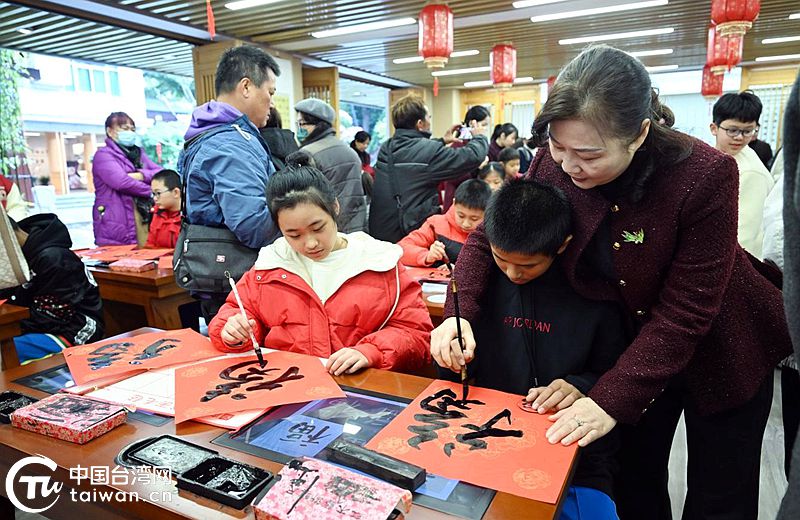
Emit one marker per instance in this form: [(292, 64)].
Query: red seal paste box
[(314, 490), (131, 265), (71, 418)]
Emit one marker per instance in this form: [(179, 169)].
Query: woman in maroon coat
[(655, 215)]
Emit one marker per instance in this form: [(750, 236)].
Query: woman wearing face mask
[(121, 172), (337, 161), (655, 215)]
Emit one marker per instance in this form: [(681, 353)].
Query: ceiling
[(160, 33)]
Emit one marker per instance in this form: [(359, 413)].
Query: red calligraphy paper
[(428, 274), (491, 442), (127, 355), (106, 253), (238, 383), (165, 262)]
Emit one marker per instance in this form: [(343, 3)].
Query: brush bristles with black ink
[(464, 383)]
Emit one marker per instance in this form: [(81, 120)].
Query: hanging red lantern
[(504, 65), (723, 52), (551, 80), (712, 83), (734, 16), (435, 34)]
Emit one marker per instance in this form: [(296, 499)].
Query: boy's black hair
[(744, 106), (528, 217), (508, 154), (493, 166), (300, 183), (170, 178), (473, 194)]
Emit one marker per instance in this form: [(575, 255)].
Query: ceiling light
[(454, 72), (244, 4), (795, 16), (597, 10), (767, 41), (24, 30), (530, 3), (488, 82), (372, 26), (616, 36), (655, 52), (415, 59), (661, 68), (779, 58)]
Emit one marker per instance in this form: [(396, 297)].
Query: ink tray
[(224, 480), (166, 451), (198, 469), (72, 418), (11, 401)]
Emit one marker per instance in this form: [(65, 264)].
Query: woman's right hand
[(445, 348), (237, 330)]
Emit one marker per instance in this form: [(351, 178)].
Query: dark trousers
[(724, 458), (790, 396), (210, 304)]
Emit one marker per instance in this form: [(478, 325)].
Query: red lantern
[(712, 83), (504, 65), (724, 52), (734, 16), (551, 80), (435, 34)]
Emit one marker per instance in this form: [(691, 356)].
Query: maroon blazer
[(704, 309)]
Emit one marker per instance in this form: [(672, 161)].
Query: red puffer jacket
[(390, 327), (164, 229), (417, 243)]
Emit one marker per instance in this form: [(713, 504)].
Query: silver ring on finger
[(577, 421)]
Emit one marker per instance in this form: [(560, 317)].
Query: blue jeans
[(584, 503)]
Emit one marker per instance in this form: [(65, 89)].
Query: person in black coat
[(763, 150), (62, 295), (790, 508), (410, 166), (281, 141)]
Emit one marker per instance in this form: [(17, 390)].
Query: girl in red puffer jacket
[(328, 294)]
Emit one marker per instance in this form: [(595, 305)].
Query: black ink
[(251, 375), (474, 438), (300, 479), (154, 350), (107, 354), (440, 413), (67, 407)]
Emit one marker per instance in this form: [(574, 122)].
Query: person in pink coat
[(121, 172)]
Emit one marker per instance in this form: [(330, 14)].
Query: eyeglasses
[(734, 132), (157, 194)]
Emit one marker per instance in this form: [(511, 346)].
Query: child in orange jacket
[(441, 236), (166, 223), (316, 291)]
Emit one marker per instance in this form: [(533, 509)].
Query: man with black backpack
[(225, 166)]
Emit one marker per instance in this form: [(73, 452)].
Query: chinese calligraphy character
[(105, 355), (251, 375), (154, 350), (297, 431), (440, 413)]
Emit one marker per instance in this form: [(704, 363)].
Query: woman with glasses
[(122, 173), (735, 125)]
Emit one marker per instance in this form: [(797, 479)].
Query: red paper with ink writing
[(486, 440), (146, 351), (239, 383)]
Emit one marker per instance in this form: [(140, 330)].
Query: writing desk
[(16, 444), (125, 295), (10, 316)]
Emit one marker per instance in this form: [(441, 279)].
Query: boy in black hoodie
[(63, 298), (537, 337)]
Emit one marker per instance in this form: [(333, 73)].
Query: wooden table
[(16, 444), (10, 316), (436, 310), (126, 295)]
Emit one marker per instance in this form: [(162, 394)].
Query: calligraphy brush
[(261, 362), (464, 383)]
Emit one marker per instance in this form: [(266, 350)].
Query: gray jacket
[(420, 164), (342, 167)]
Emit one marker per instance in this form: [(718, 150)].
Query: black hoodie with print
[(529, 335), (62, 295)]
